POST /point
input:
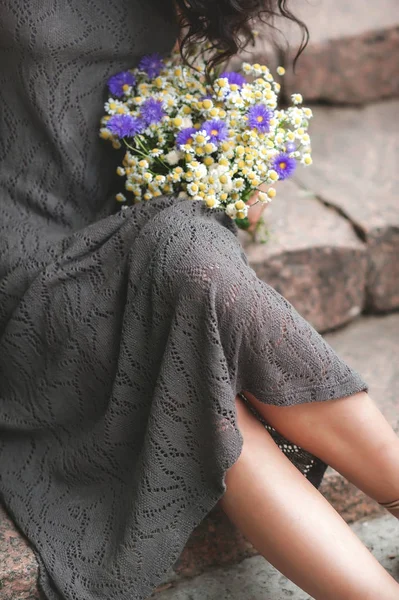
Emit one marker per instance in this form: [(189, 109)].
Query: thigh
[(349, 433)]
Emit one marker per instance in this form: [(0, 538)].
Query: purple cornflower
[(217, 130), (234, 78), (152, 64), (152, 111), (290, 147), (118, 81), (259, 117), (125, 125), (184, 136), (284, 165)]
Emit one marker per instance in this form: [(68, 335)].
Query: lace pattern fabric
[(124, 338)]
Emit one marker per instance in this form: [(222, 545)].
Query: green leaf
[(242, 223)]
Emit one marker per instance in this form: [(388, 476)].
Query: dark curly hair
[(227, 25)]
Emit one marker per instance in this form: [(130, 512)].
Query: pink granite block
[(18, 566)]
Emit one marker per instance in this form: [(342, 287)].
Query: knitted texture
[(124, 338)]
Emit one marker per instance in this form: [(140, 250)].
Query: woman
[(127, 338)]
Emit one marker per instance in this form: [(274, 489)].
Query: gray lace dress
[(124, 336)]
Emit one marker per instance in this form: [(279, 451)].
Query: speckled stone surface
[(347, 499), (313, 258), (355, 171), (18, 566), (255, 579)]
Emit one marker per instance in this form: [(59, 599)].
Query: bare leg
[(294, 527), (350, 434)]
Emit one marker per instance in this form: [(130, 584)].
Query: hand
[(255, 212)]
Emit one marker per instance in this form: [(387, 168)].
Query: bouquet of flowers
[(214, 139)]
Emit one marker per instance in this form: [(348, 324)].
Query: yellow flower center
[(283, 165), (214, 132), (259, 119)]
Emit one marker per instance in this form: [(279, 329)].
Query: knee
[(191, 263)]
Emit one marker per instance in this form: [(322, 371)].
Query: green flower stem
[(147, 156), (144, 147), (134, 149)]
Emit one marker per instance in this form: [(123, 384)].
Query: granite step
[(355, 171), (368, 344), (352, 57)]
